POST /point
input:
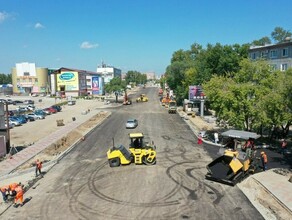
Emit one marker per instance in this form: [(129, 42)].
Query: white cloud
[(3, 16), (38, 26), (87, 45)]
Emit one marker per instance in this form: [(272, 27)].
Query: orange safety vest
[(13, 186), (19, 190)]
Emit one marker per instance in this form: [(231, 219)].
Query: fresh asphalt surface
[(83, 186)]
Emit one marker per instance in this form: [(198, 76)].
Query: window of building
[(284, 67), (30, 79), (285, 52), (253, 56), (88, 80), (88, 86), (273, 54), (36, 80), (26, 73)]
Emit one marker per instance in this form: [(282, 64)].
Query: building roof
[(271, 46), (76, 70)]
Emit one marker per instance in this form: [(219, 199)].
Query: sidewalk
[(277, 185)]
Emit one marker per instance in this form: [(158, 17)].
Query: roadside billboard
[(95, 85), (196, 93), (69, 79)]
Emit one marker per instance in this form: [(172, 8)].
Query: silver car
[(132, 123)]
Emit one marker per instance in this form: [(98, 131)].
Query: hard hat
[(262, 152)]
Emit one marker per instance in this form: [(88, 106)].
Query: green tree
[(236, 97), (116, 84), (5, 78), (135, 77), (261, 42), (279, 34)]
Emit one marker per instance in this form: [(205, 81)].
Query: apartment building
[(278, 55)]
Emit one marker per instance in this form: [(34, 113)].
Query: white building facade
[(108, 72)]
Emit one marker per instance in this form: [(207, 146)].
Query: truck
[(172, 107)]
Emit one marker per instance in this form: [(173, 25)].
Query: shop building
[(28, 79), (73, 82)]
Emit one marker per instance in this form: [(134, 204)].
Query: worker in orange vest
[(4, 191), (264, 160), (19, 195), (12, 188)]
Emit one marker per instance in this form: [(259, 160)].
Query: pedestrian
[(19, 195), (264, 160), (4, 191), (216, 138), (38, 168), (284, 146)]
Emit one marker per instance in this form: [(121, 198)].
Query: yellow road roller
[(139, 152)]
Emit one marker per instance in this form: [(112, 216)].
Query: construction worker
[(4, 191), (38, 167), (12, 188), (19, 195), (264, 160)]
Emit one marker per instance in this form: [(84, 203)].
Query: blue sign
[(66, 76)]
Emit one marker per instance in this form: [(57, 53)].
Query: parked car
[(10, 113), (21, 118), (22, 109), (15, 121), (10, 124), (57, 107), (29, 117), (28, 102), (50, 109), (36, 116), (9, 101), (47, 111), (40, 112), (31, 107), (132, 123), (17, 102)]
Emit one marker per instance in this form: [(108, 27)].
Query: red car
[(51, 110)]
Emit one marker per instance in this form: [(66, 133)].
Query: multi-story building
[(108, 72), (278, 55), (27, 79), (150, 76), (74, 82)]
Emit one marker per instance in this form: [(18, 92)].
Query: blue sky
[(136, 35)]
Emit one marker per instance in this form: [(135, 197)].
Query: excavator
[(139, 152), (235, 162), (127, 101)]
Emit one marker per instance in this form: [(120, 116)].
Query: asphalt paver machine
[(234, 164)]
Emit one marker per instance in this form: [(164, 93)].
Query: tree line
[(245, 94), (5, 78)]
